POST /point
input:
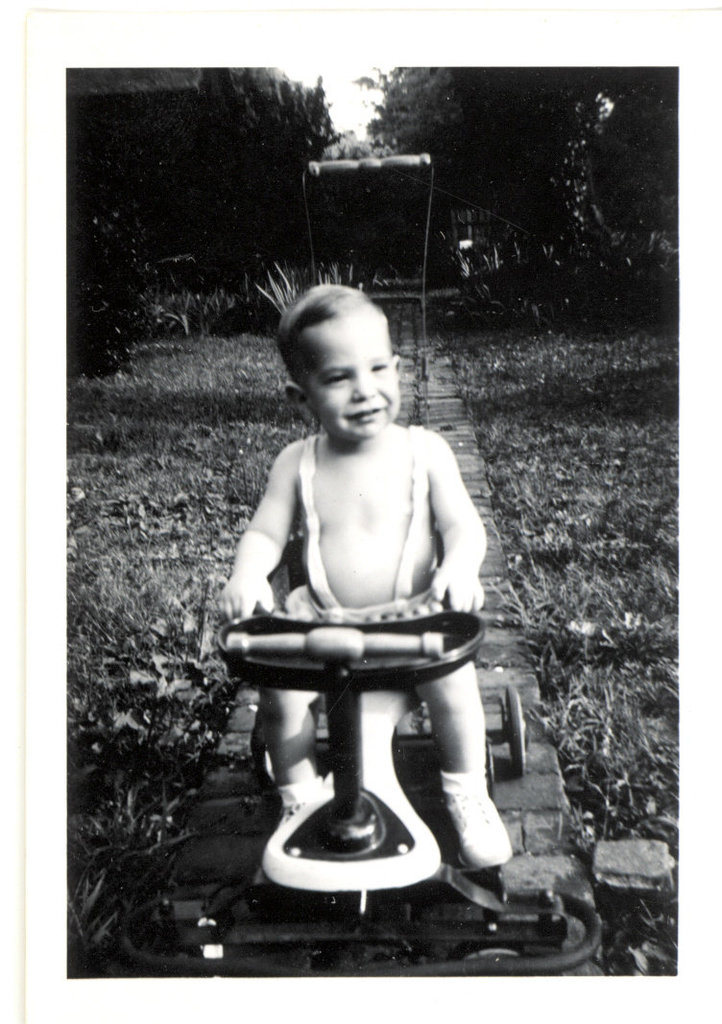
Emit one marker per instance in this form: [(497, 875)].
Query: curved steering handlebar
[(339, 644), (277, 651)]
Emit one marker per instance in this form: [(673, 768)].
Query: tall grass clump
[(166, 462), (284, 283), (579, 433)]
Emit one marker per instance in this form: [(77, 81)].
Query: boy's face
[(353, 384)]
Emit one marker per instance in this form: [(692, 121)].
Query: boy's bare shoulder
[(288, 460), (291, 453), (442, 467), (437, 447)]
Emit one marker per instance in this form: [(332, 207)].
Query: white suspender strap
[(316, 574), (419, 499)]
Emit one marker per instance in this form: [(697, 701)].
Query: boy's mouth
[(364, 415)]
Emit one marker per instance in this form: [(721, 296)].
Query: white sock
[(301, 792), (464, 782)]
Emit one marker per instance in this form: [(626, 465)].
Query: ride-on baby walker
[(355, 884)]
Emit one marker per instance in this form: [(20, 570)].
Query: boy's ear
[(296, 395)]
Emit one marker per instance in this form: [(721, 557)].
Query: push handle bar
[(370, 163), (338, 644)]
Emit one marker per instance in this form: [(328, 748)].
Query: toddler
[(373, 495)]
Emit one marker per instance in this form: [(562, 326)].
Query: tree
[(563, 160), (633, 151), (198, 170), (511, 137)]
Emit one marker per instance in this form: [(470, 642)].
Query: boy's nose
[(364, 386)]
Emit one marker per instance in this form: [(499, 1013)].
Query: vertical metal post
[(344, 734)]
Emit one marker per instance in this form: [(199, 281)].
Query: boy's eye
[(380, 367)]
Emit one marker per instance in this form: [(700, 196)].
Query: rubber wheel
[(515, 731), (499, 953)]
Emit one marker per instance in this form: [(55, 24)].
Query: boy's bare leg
[(290, 733), (457, 720)]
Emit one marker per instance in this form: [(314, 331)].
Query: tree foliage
[(515, 138), (193, 175), (580, 163)]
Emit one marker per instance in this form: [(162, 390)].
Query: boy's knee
[(282, 705), (455, 692)]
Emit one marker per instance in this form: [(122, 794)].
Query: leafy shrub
[(611, 278), (106, 276), (189, 313), (509, 283)]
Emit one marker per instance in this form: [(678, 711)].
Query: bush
[(608, 279), (106, 277)]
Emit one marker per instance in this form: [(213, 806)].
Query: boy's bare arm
[(261, 546), (462, 531)]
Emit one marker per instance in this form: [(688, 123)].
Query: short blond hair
[(316, 306)]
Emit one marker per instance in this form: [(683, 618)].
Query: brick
[(504, 638), (229, 782), (498, 595), (541, 758), (494, 565), (494, 681), (494, 581), (242, 718), (239, 815), (496, 613), (449, 410), (234, 745), (503, 648), (531, 793), (223, 858), (494, 550), (633, 865), (246, 696), (492, 714), (542, 831), (512, 821), (534, 873)]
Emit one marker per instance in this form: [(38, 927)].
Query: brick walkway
[(534, 808), (232, 829)]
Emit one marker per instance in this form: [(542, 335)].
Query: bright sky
[(351, 106)]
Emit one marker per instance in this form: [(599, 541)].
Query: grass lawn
[(579, 434), (166, 462)]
